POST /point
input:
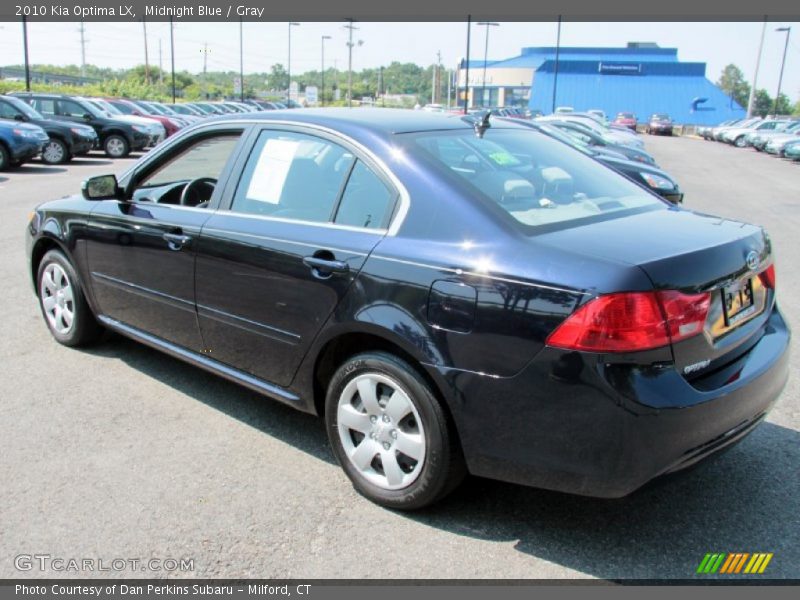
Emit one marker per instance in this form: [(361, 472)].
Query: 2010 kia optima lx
[(453, 295)]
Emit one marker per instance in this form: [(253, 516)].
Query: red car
[(129, 108), (626, 119)]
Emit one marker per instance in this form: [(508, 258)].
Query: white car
[(777, 144), (737, 135)]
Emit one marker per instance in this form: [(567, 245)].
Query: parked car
[(736, 135), (719, 132), (759, 139), (651, 177), (187, 110), (596, 140), (66, 139), (778, 143), (792, 150), (601, 115), (659, 124), (626, 119), (617, 136), (118, 137), (154, 128), (19, 143), (708, 132), (129, 107), (461, 297)]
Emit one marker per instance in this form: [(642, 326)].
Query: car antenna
[(483, 124)]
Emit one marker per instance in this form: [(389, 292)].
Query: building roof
[(533, 57)]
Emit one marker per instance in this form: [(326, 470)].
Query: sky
[(121, 45)]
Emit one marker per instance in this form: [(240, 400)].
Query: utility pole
[(752, 99), (322, 91), (160, 70), (555, 74), (380, 86), (172, 54), (241, 60), (289, 66), (449, 82), (466, 79), (350, 27), (27, 62), (205, 70), (82, 29), (146, 61), (436, 81)]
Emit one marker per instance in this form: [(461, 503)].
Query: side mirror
[(20, 117), (87, 117), (101, 187)]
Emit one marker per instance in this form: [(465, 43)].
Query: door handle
[(176, 241), (325, 266)]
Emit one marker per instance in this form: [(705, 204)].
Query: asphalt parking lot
[(121, 452)]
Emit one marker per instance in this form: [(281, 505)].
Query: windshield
[(123, 108), (105, 106), (25, 108), (535, 179), (659, 117)]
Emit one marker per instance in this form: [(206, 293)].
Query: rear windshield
[(535, 179)]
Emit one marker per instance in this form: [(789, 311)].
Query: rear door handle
[(326, 266), (176, 241)]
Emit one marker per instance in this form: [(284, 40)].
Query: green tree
[(732, 82)]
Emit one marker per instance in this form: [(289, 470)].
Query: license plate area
[(738, 302)]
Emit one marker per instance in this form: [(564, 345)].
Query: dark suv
[(67, 139), (118, 137)]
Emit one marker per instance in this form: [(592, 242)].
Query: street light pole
[(751, 100), (555, 74), (25, 45), (788, 31), (172, 54), (466, 65), (322, 92), (350, 27), (486, 24), (241, 60), (289, 66)]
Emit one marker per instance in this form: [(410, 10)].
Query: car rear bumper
[(574, 423)]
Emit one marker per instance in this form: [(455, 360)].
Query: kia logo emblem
[(752, 260)]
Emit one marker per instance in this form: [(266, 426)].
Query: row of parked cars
[(58, 127), (776, 136), (616, 146)]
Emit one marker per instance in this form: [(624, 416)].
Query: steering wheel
[(190, 196)]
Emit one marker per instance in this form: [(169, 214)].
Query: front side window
[(293, 176), (535, 179), (7, 111), (68, 108), (205, 157)]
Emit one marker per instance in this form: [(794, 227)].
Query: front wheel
[(55, 152), (116, 146), (740, 142), (63, 304), (391, 434), (5, 158)]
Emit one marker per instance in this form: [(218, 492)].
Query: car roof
[(385, 121)]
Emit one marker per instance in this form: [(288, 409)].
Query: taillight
[(767, 277), (632, 321)]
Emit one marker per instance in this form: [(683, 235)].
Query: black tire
[(116, 146), (443, 467), (84, 328), (5, 158), (55, 152)]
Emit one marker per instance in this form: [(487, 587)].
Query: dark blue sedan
[(451, 294)]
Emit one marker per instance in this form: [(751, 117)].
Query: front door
[(141, 250)]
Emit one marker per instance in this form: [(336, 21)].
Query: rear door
[(306, 213)]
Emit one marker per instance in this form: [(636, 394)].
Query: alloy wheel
[(381, 431), (57, 298)]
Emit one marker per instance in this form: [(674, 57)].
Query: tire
[(63, 304), (5, 158), (116, 146), (401, 419), (55, 152), (740, 142)]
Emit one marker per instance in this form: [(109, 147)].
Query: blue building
[(641, 78)]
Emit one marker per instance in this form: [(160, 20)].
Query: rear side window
[(68, 108), (45, 106), (293, 176), (366, 201)]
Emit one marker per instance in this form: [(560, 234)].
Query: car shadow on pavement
[(301, 430), (38, 168), (744, 500), (88, 161)]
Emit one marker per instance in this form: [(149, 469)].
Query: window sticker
[(271, 170)]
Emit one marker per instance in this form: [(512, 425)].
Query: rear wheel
[(55, 152), (116, 146), (63, 304), (390, 434)]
